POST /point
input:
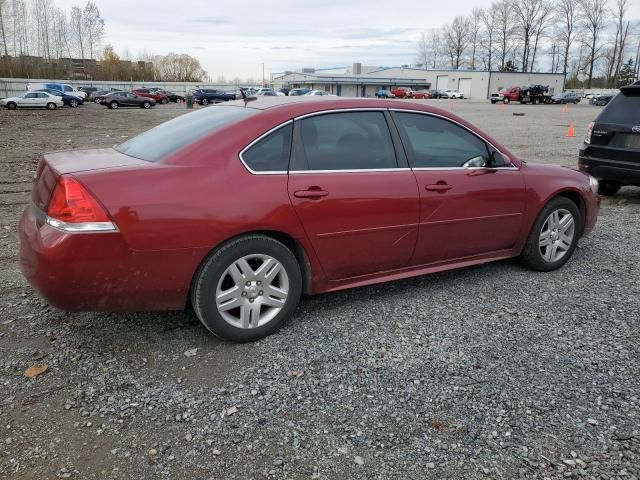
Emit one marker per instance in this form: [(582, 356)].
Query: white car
[(454, 94), (318, 93), (33, 100), (61, 87)]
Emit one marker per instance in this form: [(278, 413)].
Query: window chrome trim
[(267, 172), (340, 110), (512, 167)]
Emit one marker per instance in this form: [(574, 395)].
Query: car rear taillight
[(589, 132), (73, 209)]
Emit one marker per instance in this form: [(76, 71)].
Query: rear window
[(169, 137), (623, 109)]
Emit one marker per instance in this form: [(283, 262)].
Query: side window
[(31, 95), (271, 153), (346, 141), (67, 88), (434, 142)]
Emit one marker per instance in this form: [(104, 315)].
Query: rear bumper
[(625, 173), (97, 271)]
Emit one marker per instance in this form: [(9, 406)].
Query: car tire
[(114, 105), (96, 101), (214, 277), (505, 100), (164, 101), (146, 105), (73, 103), (608, 189), (12, 106), (51, 106), (554, 236), (204, 101)]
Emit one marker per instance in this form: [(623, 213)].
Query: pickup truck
[(526, 94)]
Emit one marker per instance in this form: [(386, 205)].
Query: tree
[(504, 23), (93, 27), (2, 28), (627, 73), (622, 33), (509, 66), (77, 28), (455, 38), (594, 20), (110, 63), (528, 20), (567, 18), (475, 26), (489, 24), (422, 54), (179, 68)]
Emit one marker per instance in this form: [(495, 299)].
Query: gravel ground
[(487, 372)]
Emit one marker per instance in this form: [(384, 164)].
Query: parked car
[(33, 100), (421, 94), (157, 95), (298, 91), (285, 90), (205, 96), (402, 92), (116, 100), (602, 100), (453, 94), (69, 100), (173, 97), (566, 97), (88, 90), (611, 149), (438, 93), (96, 97), (63, 87), (318, 93), (162, 210), (384, 93), (266, 92)]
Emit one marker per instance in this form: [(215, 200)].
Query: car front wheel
[(205, 101), (164, 101), (505, 100), (73, 103), (12, 106), (554, 236), (114, 105), (146, 105), (247, 289)]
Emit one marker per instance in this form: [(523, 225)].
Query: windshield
[(167, 138)]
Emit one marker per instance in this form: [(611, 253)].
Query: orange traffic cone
[(565, 108), (572, 131)]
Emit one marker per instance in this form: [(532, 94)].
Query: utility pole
[(263, 85)]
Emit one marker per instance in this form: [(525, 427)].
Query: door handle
[(311, 193), (438, 187)]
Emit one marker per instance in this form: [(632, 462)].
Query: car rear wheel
[(51, 106), (164, 101), (205, 101), (114, 105), (554, 236), (146, 105), (247, 289), (12, 106), (96, 100), (608, 189), (73, 103)]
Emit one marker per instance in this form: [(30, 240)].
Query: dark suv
[(205, 96), (611, 151)]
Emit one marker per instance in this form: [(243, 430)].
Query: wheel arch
[(576, 197)]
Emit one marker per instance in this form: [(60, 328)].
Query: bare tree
[(594, 20), (528, 15), (567, 19), (542, 23), (455, 37), (77, 29), (422, 55), (3, 12), (504, 27), (489, 35), (475, 28), (93, 28), (435, 41), (622, 34)]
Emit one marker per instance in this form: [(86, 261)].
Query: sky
[(235, 39)]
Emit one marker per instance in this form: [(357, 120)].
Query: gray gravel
[(490, 372)]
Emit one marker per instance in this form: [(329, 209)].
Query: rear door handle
[(311, 193), (438, 187)]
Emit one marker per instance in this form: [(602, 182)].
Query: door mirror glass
[(476, 162)]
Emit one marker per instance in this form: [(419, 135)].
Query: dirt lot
[(488, 372)]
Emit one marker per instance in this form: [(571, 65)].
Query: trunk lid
[(53, 165)]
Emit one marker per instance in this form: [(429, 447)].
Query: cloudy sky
[(235, 38)]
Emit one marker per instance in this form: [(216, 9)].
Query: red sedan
[(158, 96), (240, 208), (422, 94)]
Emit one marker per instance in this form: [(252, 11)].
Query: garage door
[(442, 82), (464, 85)]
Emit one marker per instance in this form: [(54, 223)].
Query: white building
[(361, 81)]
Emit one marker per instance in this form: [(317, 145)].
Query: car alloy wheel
[(12, 106), (505, 100), (557, 235), (96, 100), (146, 105), (205, 101), (114, 105), (51, 106), (247, 288), (164, 101), (73, 103)]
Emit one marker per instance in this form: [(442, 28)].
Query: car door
[(29, 100), (466, 209), (130, 100), (357, 201)]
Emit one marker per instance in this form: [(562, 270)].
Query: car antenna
[(245, 98)]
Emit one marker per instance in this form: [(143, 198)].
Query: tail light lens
[(587, 139), (72, 208)]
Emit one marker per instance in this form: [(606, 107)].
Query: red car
[(159, 97), (240, 208), (422, 94), (402, 92)]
